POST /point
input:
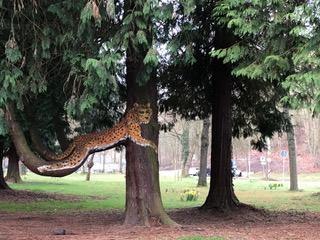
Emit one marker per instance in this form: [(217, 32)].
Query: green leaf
[(111, 9), (128, 19), (86, 13), (141, 37), (91, 63), (188, 6), (13, 54), (146, 8), (151, 57), (141, 23)]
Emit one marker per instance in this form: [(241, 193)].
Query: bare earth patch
[(245, 223), (29, 196)]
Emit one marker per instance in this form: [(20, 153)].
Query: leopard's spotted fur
[(82, 146)]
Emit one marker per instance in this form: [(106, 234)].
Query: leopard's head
[(141, 113)]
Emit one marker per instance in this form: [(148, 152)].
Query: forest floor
[(245, 223)]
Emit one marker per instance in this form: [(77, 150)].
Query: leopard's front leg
[(135, 136)]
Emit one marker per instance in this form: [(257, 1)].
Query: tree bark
[(221, 193), (13, 173), (292, 154), (204, 152), (3, 184), (143, 197)]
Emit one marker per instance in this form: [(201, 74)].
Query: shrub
[(189, 195), (275, 185)]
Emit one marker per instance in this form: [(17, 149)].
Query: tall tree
[(185, 149), (221, 193), (143, 196), (192, 68), (202, 181), (278, 43), (292, 154)]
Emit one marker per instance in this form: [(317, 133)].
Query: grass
[(110, 188)]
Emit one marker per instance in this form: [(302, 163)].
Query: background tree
[(191, 68), (13, 172), (90, 164), (292, 154), (202, 181), (276, 44)]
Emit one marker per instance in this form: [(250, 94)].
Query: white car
[(193, 171)]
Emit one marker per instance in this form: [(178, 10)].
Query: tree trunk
[(90, 165), (143, 197), (204, 152), (121, 161), (22, 169), (3, 184), (63, 140), (104, 162), (221, 193), (185, 142), (13, 173), (292, 154), (27, 157)]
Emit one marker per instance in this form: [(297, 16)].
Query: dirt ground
[(245, 223)]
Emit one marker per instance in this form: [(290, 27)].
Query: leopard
[(83, 145)]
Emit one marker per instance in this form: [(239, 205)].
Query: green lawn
[(110, 188)]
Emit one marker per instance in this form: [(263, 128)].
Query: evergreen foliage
[(278, 42), (192, 65)]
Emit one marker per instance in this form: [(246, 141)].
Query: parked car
[(208, 172), (193, 171), (234, 169)]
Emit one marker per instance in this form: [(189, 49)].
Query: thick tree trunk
[(204, 152), (292, 155), (221, 194), (143, 197), (3, 184), (13, 173)]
